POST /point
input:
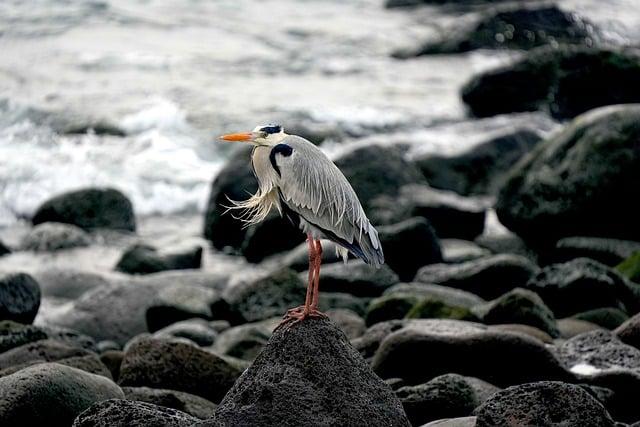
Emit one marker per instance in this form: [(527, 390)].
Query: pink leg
[(316, 286)]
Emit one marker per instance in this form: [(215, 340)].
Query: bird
[(304, 185)]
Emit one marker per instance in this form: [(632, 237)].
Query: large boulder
[(610, 252), (579, 182), (607, 317), (53, 236), (4, 249), (596, 352), (629, 331), (197, 330), (179, 302), (309, 374), (273, 235), (129, 413), (13, 334), (68, 283), (185, 402), (245, 341), (177, 366), (487, 277), (46, 350), (89, 208), (19, 297), (543, 403), (51, 394), (481, 169), (356, 278), (145, 259), (564, 81)]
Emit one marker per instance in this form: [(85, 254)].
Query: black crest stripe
[(283, 149)]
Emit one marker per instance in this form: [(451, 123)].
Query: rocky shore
[(510, 296)]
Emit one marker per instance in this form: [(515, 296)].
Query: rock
[(245, 341), (519, 328), (196, 330), (4, 250), (273, 235), (100, 127), (487, 277), (177, 366), (193, 405), (265, 296), (607, 317), (51, 394), (514, 28), (388, 307), (432, 308), (622, 403), (552, 78), (453, 422), (13, 334), (89, 208), (519, 306), (46, 350), (67, 283), (543, 403), (570, 327), (368, 343), (53, 236), (128, 413), (578, 182), (506, 243), (297, 258), (598, 351), (418, 350), (356, 278), (348, 322), (88, 363), (409, 245), (375, 170), (337, 300), (455, 251), (629, 331), (178, 302), (451, 296), (332, 383), (630, 268), (236, 182), (112, 359), (610, 252), (19, 297), (144, 259), (580, 285), (410, 3), (481, 169), (70, 337)]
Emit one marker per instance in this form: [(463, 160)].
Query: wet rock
[(453, 422), (571, 327), (70, 337), (377, 170), (622, 403), (88, 363), (417, 350), (348, 322), (338, 300), (4, 249), (455, 251), (598, 351), (448, 395), (411, 3), (629, 331), (89, 208), (481, 169), (177, 366), (53, 236), (519, 306), (112, 359), (487, 277), (273, 235), (128, 413), (630, 268), (332, 383), (144, 259), (356, 278), (51, 394), (13, 334), (46, 350), (507, 243), (578, 182), (297, 258), (580, 285), (236, 182), (552, 78), (193, 405), (432, 308), (67, 283), (543, 403), (451, 296), (514, 28), (266, 296), (519, 328), (388, 307), (100, 127), (245, 341), (610, 252), (180, 302), (408, 245), (607, 317), (196, 330), (19, 297)]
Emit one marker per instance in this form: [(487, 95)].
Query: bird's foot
[(298, 314)]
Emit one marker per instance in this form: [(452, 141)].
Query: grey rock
[(455, 251), (178, 302), (53, 236), (196, 330), (337, 300), (610, 252), (598, 351), (451, 296), (19, 297), (570, 327), (68, 283), (349, 322), (181, 401), (629, 331), (607, 317), (128, 413), (13, 334), (356, 278), (144, 259), (245, 341)]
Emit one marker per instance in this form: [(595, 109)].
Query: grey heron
[(303, 184)]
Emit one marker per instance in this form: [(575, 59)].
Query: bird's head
[(268, 135)]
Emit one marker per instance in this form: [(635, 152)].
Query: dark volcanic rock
[(349, 322), (607, 317), (4, 250), (89, 208), (411, 3), (185, 402), (610, 252), (236, 182), (245, 341), (480, 170), (144, 259), (455, 251), (564, 81), (578, 183), (336, 300), (67, 283), (273, 235), (196, 330), (19, 297), (179, 302), (53, 236), (580, 285), (46, 350), (333, 385), (487, 277), (570, 327), (409, 245), (177, 366), (13, 334), (355, 277), (598, 351), (544, 403), (519, 306), (630, 267), (446, 294), (520, 28), (389, 307), (629, 331), (51, 394), (128, 413), (418, 350)]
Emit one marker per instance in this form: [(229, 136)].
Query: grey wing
[(313, 187)]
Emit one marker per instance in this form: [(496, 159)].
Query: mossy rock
[(607, 317), (630, 267), (389, 307), (432, 308)]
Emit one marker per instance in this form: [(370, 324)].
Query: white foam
[(584, 369), (158, 114)]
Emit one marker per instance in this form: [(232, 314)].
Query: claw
[(297, 315)]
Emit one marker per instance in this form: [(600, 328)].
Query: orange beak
[(242, 136)]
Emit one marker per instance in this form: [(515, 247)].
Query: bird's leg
[(297, 314), (316, 283)]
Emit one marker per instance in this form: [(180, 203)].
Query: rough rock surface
[(144, 259), (19, 297), (129, 413), (53, 236), (185, 402)]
